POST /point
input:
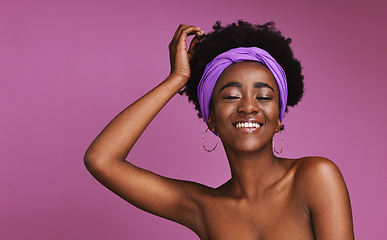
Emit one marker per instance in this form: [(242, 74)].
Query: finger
[(178, 30), (177, 33), (191, 30), (195, 40)]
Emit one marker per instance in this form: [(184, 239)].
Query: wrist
[(179, 79)]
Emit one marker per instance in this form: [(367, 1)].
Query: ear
[(279, 126), (211, 122)]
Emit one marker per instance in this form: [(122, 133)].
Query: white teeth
[(247, 125)]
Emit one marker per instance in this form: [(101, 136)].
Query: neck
[(253, 172)]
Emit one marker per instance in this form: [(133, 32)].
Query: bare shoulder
[(321, 187), (318, 178), (314, 170)]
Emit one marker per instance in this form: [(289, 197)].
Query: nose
[(248, 105)]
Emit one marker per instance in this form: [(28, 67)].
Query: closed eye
[(264, 98), (230, 97)]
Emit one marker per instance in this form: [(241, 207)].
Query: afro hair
[(244, 34)]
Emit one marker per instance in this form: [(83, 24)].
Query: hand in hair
[(178, 54)]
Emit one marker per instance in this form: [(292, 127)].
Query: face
[(245, 107)]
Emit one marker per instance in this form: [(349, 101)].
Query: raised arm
[(105, 158)]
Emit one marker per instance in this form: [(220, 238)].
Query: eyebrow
[(231, 84), (239, 85), (262, 85)]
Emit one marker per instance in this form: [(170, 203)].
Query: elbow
[(98, 162), (92, 161), (88, 160)]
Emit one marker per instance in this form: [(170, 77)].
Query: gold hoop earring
[(282, 146), (204, 146)]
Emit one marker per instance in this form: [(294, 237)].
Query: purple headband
[(223, 60)]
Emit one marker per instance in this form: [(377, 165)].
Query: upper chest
[(276, 214)]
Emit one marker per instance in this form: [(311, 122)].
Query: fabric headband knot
[(223, 60)]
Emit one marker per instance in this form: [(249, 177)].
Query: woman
[(243, 78)]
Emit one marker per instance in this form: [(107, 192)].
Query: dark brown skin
[(266, 198)]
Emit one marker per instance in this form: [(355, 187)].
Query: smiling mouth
[(248, 125)]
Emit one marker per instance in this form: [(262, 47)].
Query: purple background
[(68, 67)]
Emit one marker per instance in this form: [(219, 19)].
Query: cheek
[(221, 114), (271, 111)]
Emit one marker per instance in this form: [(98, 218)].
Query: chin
[(248, 146)]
